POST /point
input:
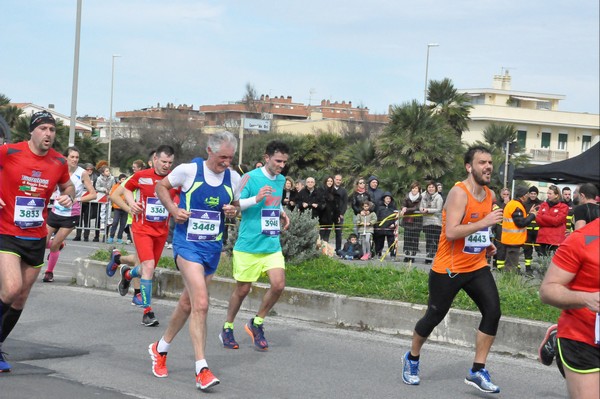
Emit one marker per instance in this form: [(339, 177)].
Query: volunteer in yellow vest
[(514, 227)]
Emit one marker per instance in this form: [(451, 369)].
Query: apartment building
[(544, 132)]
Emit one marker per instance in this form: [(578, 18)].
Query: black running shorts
[(31, 252), (57, 221), (578, 357)]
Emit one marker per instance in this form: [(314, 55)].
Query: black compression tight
[(481, 288)]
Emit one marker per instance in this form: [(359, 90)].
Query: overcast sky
[(372, 53)]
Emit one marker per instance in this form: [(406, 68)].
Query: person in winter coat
[(352, 248), (431, 208), (374, 191), (412, 221), (365, 222), (387, 219), (330, 214), (311, 198), (288, 199), (103, 185), (552, 220), (358, 197)]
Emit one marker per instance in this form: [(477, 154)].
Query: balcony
[(548, 155)]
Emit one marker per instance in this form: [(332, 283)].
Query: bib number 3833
[(29, 212)]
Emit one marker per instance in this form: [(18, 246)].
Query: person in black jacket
[(288, 199), (386, 225), (359, 196), (412, 220), (311, 198), (330, 213), (352, 249), (342, 197)]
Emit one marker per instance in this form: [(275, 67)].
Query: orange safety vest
[(511, 234)]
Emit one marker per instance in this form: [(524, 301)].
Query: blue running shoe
[(257, 334), (137, 300), (482, 381), (410, 370), (110, 240), (112, 265), (4, 365), (227, 339)]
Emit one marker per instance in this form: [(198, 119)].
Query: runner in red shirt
[(29, 173), (572, 283), (150, 226)]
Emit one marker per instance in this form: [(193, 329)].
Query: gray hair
[(216, 140)]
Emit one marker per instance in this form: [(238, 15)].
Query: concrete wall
[(517, 337)]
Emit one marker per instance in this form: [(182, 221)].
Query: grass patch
[(518, 296)]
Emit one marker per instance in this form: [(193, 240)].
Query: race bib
[(203, 225), (477, 241), (155, 211), (29, 212), (269, 221)]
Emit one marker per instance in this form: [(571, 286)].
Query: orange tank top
[(465, 254)]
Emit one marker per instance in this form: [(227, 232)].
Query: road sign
[(257, 124)]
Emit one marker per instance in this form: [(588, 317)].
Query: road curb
[(517, 337)]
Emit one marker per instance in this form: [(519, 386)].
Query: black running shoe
[(149, 320), (124, 283), (48, 277), (547, 349)]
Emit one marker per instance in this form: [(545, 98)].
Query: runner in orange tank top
[(460, 264)]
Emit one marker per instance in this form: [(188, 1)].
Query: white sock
[(163, 346), (200, 364)]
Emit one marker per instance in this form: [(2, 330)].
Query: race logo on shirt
[(213, 202)]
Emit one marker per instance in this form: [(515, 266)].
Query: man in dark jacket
[(374, 191), (311, 198), (342, 197)]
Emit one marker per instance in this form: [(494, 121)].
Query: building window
[(562, 141), (543, 105), (546, 139), (521, 140), (586, 142)]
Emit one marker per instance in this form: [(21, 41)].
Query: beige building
[(547, 134)]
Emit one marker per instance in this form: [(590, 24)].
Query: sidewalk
[(517, 337)]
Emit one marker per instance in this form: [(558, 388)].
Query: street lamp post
[(112, 88), (427, 71)]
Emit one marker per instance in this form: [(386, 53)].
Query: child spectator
[(365, 221), (351, 249)]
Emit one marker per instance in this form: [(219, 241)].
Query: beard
[(480, 179)]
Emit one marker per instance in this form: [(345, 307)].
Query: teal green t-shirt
[(260, 225)]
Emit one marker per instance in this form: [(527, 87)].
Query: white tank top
[(75, 210)]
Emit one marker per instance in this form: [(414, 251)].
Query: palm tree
[(418, 142), (450, 104), (495, 137)]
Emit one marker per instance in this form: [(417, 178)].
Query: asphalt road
[(75, 342)]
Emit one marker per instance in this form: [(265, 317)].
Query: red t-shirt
[(580, 254), (154, 219), (27, 182)]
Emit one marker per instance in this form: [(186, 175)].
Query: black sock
[(118, 259), (477, 366), (413, 358), (9, 320), (136, 291)]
